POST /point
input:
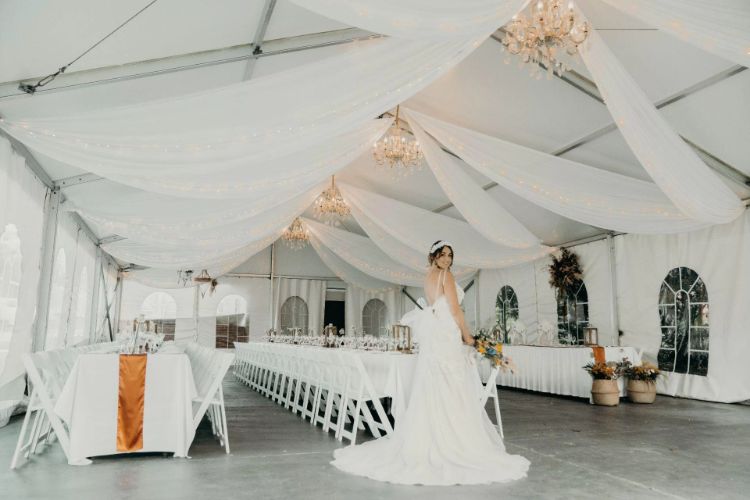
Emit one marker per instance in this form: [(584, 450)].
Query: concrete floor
[(672, 449)]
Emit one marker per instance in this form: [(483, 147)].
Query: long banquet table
[(88, 403), (556, 370)]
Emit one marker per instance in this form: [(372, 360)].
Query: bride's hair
[(436, 249)]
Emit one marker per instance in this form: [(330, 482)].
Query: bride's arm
[(455, 308)]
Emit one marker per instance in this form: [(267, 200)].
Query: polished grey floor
[(673, 449)]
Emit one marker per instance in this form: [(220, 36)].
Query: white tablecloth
[(556, 370), (88, 404)]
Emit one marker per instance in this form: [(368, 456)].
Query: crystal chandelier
[(330, 206), (401, 154), (296, 236), (548, 30)]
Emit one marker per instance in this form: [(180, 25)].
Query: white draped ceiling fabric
[(579, 192), (270, 141), (419, 229), (721, 27), (688, 182), (361, 253), (247, 124), (474, 203), (419, 19)]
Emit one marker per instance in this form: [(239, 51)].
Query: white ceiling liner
[(577, 191), (223, 233), (361, 253), (419, 19), (275, 177), (256, 120), (419, 229), (470, 199), (721, 27), (682, 176)]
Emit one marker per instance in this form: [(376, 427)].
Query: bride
[(444, 436)]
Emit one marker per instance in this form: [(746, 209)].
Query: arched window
[(80, 327), (10, 285), (56, 301), (293, 314), (572, 313), (373, 317), (160, 310), (231, 321), (683, 313), (506, 309)]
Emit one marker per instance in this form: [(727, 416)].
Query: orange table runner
[(131, 396), (599, 355)]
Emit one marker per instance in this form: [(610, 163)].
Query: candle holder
[(590, 336), (402, 338)]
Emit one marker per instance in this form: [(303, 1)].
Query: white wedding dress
[(444, 437)]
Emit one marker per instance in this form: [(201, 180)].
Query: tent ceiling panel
[(501, 100), (717, 118), (38, 37), (289, 19)]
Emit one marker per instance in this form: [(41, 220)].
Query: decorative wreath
[(565, 272)]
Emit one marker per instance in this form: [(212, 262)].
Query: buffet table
[(556, 370), (94, 404)]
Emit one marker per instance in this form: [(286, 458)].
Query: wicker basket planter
[(605, 392), (641, 391)]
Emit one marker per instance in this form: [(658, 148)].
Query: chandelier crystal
[(330, 206), (547, 31), (296, 236), (399, 152)]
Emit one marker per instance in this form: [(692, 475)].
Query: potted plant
[(641, 382), (604, 389)]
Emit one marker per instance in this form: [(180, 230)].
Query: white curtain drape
[(721, 27), (363, 254), (313, 292), (345, 271), (248, 123), (22, 204), (419, 19), (189, 257), (419, 229), (579, 192), (265, 179), (484, 214), (688, 182), (398, 251), (193, 229)]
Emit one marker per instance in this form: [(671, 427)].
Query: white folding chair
[(490, 391), (209, 368), (40, 423)]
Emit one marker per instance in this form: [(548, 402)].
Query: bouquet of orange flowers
[(603, 371), (645, 371), (492, 350)]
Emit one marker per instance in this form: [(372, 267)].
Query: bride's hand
[(469, 341)]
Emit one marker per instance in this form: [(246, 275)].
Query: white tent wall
[(22, 205), (721, 257)]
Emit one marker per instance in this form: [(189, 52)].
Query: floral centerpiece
[(604, 388), (603, 371), (641, 381), (489, 348)]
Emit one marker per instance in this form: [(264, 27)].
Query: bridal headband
[(440, 244)]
